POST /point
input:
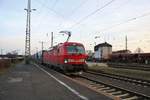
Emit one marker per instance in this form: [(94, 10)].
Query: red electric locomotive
[(68, 56)]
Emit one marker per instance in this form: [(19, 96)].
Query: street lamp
[(96, 38)]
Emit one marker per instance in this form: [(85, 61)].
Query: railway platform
[(32, 82)]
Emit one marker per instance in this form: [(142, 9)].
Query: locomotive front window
[(75, 49)]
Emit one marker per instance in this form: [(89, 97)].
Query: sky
[(110, 20)]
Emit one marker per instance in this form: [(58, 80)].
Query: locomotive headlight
[(65, 61)]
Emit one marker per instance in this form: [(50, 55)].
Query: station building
[(102, 51)]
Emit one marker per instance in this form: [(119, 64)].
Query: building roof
[(122, 51), (105, 44)]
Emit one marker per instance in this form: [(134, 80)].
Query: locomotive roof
[(68, 43), (65, 43)]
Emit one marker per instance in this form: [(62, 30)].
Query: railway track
[(136, 81), (134, 67), (111, 90)]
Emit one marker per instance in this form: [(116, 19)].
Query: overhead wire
[(126, 21), (78, 7), (73, 12), (40, 18), (91, 14), (50, 9), (120, 6)]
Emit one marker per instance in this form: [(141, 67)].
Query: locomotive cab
[(69, 57), (74, 57)]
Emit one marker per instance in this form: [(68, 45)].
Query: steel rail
[(122, 78), (134, 67), (132, 93)]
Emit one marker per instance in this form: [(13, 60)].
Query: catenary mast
[(28, 30)]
